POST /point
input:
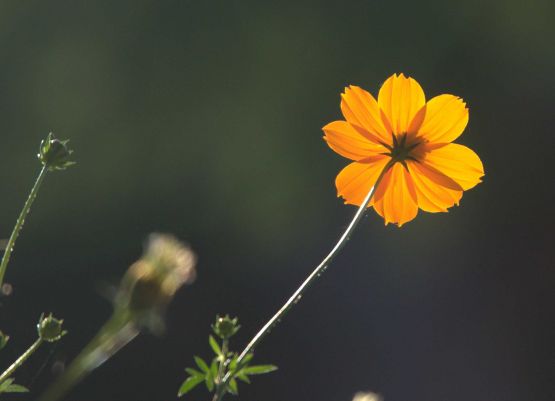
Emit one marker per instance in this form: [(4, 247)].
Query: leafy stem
[(223, 365), (223, 361), (20, 221)]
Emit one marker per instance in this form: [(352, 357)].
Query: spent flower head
[(49, 328), (411, 139), (151, 282), (54, 153)]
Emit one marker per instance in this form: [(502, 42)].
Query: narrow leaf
[(209, 380), (233, 387), (247, 358), (243, 377), (259, 369), (214, 367), (201, 364), (5, 384), (194, 372), (16, 388), (214, 345), (233, 363), (189, 384)]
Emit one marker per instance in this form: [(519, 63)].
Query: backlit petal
[(432, 197), (396, 199), (355, 180), (445, 119), (400, 98), (361, 110), (349, 143), (457, 162)]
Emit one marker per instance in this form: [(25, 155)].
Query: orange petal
[(457, 162), (355, 180), (396, 199), (431, 196), (361, 110), (400, 98), (445, 120), (349, 143), (437, 177)]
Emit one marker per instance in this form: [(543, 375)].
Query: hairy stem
[(14, 366), (19, 223), (316, 273)]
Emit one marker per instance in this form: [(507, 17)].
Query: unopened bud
[(50, 328), (54, 153), (225, 327)]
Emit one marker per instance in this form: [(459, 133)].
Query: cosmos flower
[(409, 137)]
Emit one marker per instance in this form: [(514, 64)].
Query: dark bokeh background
[(203, 119)]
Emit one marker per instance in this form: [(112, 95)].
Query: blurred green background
[(203, 119)]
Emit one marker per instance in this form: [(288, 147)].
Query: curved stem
[(19, 223), (14, 366), (316, 273)]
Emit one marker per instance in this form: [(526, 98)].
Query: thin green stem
[(316, 273), (220, 385), (14, 366), (19, 223)]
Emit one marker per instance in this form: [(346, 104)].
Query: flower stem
[(117, 332), (19, 223), (294, 299), (14, 366), (220, 385)]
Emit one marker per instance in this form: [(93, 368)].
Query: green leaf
[(202, 365), (3, 339), (209, 380), (214, 367), (16, 388), (5, 384), (243, 377), (190, 383), (194, 372), (259, 369), (233, 363), (247, 359), (214, 345), (233, 387)]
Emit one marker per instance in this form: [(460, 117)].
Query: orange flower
[(412, 139)]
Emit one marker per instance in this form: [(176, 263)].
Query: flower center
[(401, 150)]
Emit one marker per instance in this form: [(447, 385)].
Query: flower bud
[(54, 153), (225, 327), (50, 328)]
